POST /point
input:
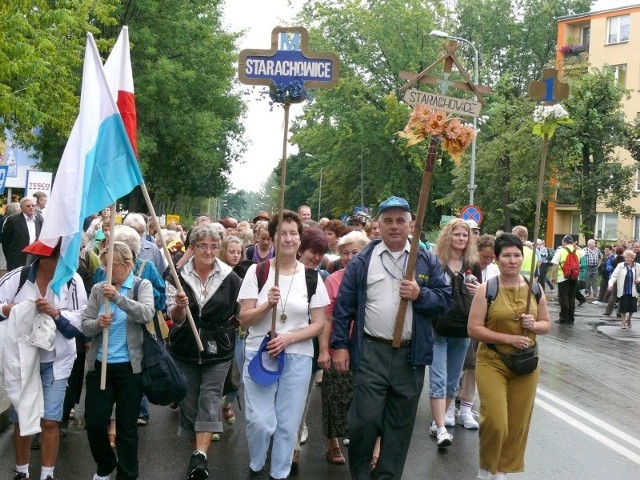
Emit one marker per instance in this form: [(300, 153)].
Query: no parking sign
[(472, 212)]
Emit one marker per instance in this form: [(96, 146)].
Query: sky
[(263, 128)]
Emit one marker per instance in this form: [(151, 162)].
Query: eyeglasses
[(203, 247)]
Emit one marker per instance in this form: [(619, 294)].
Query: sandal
[(229, 415), (334, 455)]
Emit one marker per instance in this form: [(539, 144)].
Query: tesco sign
[(38, 182)]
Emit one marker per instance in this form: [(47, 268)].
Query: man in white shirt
[(18, 231)]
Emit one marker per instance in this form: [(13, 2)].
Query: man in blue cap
[(387, 381)]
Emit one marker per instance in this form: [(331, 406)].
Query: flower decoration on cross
[(425, 122), (547, 118)]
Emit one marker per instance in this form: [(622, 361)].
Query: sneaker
[(596, 302), (215, 437), (198, 467), (305, 435), (345, 442), (20, 476), (142, 421), (98, 477), (450, 416), (444, 439), (500, 476), (484, 475), (72, 414), (468, 421), (433, 429)]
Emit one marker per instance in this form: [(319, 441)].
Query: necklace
[(402, 269), (283, 315), (513, 301)]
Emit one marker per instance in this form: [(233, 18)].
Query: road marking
[(587, 416), (596, 435)]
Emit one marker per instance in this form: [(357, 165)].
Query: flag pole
[(172, 267), (107, 303)]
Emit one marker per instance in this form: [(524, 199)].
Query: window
[(586, 37), (636, 226), (618, 29), (638, 183), (575, 224), (607, 226), (619, 73)]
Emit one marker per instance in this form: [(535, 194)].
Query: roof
[(600, 6)]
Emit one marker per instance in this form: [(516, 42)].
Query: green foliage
[(41, 46)]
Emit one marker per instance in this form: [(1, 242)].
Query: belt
[(386, 341)]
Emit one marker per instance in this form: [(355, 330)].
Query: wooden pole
[(417, 229), (536, 227), (172, 268), (107, 304), (283, 178)]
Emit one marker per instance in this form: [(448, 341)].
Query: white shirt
[(31, 226), (386, 271), (293, 301)]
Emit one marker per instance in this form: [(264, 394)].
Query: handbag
[(522, 362), (162, 381)]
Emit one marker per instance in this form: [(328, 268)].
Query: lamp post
[(472, 167)]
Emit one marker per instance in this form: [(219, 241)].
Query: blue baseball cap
[(265, 369), (394, 202)]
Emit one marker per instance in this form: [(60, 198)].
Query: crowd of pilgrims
[(231, 299)]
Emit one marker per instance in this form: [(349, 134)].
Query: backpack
[(310, 277), (493, 285), (454, 322), (162, 381), (571, 265)]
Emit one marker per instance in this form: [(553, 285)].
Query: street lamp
[(472, 168)]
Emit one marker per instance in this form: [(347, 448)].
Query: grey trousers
[(386, 389)]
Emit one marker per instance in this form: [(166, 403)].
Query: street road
[(585, 424)]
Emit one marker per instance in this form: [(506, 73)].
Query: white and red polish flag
[(120, 78)]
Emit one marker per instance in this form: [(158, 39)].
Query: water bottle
[(470, 277)]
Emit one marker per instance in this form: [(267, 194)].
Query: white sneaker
[(450, 416), (433, 429), (596, 302), (500, 476), (345, 442), (305, 434), (98, 477), (484, 475), (467, 420), (444, 439)]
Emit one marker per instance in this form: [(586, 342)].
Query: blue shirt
[(118, 348)]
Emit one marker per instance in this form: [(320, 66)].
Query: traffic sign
[(472, 212), (3, 177)]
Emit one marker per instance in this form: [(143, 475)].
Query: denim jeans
[(276, 410), (445, 371)]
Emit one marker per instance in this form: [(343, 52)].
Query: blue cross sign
[(288, 60), (472, 212)]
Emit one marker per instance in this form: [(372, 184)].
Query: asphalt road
[(585, 425)]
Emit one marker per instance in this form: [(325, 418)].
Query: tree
[(41, 46), (592, 173), (189, 130)]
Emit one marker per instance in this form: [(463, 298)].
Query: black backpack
[(454, 322), (493, 285)]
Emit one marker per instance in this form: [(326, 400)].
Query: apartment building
[(610, 35)]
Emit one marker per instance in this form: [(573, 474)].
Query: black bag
[(522, 362), (454, 322), (162, 381)]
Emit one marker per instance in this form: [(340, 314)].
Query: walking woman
[(459, 257), (126, 319), (210, 289), (506, 399), (626, 276), (275, 409)]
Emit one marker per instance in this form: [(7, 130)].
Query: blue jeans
[(53, 394), (445, 371), (276, 411)]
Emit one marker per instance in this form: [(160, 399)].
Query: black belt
[(386, 341)]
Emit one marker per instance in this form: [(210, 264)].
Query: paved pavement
[(584, 427)]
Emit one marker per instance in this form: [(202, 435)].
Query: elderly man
[(304, 212), (18, 231), (387, 381), (593, 262), (53, 365), (148, 250), (41, 202)]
